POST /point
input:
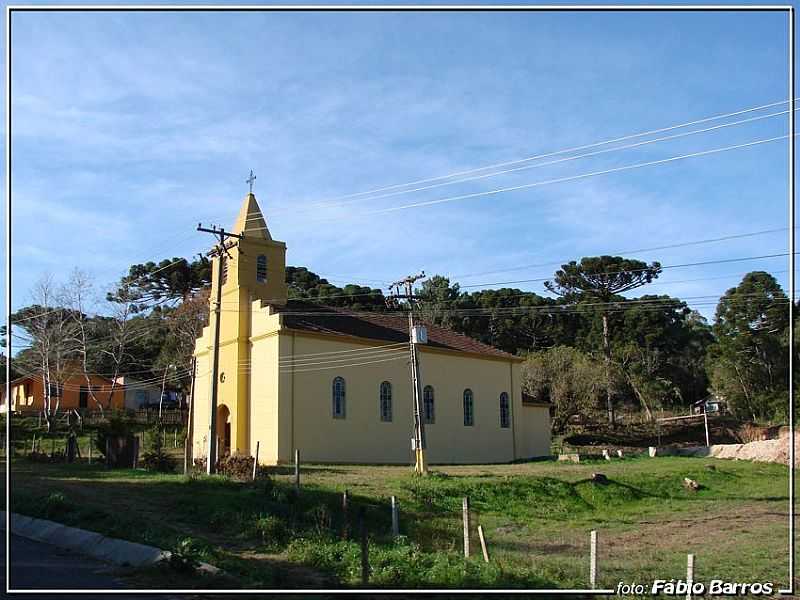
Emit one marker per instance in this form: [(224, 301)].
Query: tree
[(47, 329), (169, 281), (567, 378), (184, 325), (602, 279), (748, 365), (659, 344), (112, 347), (304, 284)]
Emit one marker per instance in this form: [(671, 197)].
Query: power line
[(382, 346), (621, 252), (555, 308), (292, 370), (574, 177), (693, 264), (533, 166), (540, 279), (563, 151)]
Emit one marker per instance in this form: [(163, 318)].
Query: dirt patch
[(713, 528), (775, 451), (723, 430)]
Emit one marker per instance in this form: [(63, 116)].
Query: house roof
[(305, 316)]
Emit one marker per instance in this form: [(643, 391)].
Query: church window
[(338, 398), (386, 401), (505, 411), (261, 268), (224, 270), (469, 413), (428, 408)]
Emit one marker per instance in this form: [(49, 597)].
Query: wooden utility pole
[(220, 251), (188, 444), (406, 285), (163, 389)]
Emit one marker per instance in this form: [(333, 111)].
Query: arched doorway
[(224, 430)]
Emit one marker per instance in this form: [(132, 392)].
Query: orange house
[(27, 393)]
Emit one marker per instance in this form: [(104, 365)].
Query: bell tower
[(253, 269), (260, 263)]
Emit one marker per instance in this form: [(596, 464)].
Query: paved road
[(35, 565), (41, 566)]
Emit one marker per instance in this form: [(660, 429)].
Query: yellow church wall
[(449, 440), (362, 437), (264, 404), (201, 402)]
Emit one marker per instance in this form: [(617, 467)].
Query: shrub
[(407, 565), (155, 458), (55, 504), (118, 424), (321, 520), (272, 530), (183, 557), (235, 467)]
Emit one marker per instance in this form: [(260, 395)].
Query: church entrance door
[(224, 430)]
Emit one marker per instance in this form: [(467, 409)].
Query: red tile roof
[(306, 316)]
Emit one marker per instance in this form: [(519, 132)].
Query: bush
[(55, 504), (273, 531), (235, 467), (118, 424), (155, 458), (321, 520), (407, 565), (184, 557)]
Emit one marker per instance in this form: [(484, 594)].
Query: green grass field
[(537, 518)]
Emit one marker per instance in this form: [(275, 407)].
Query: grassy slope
[(536, 516)]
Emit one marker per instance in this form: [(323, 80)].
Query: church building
[(336, 383)]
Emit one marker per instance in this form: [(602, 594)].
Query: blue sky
[(130, 128)]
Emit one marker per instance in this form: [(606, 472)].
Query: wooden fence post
[(345, 517), (33, 444), (395, 518), (297, 470), (483, 544), (689, 574), (255, 461), (465, 517), (91, 443), (362, 530), (593, 559)]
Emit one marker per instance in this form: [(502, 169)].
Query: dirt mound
[(776, 451)]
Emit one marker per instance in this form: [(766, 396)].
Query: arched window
[(428, 408), (505, 411), (224, 270), (386, 401), (469, 413), (338, 398), (261, 268)]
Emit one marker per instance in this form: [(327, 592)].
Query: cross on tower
[(250, 180)]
